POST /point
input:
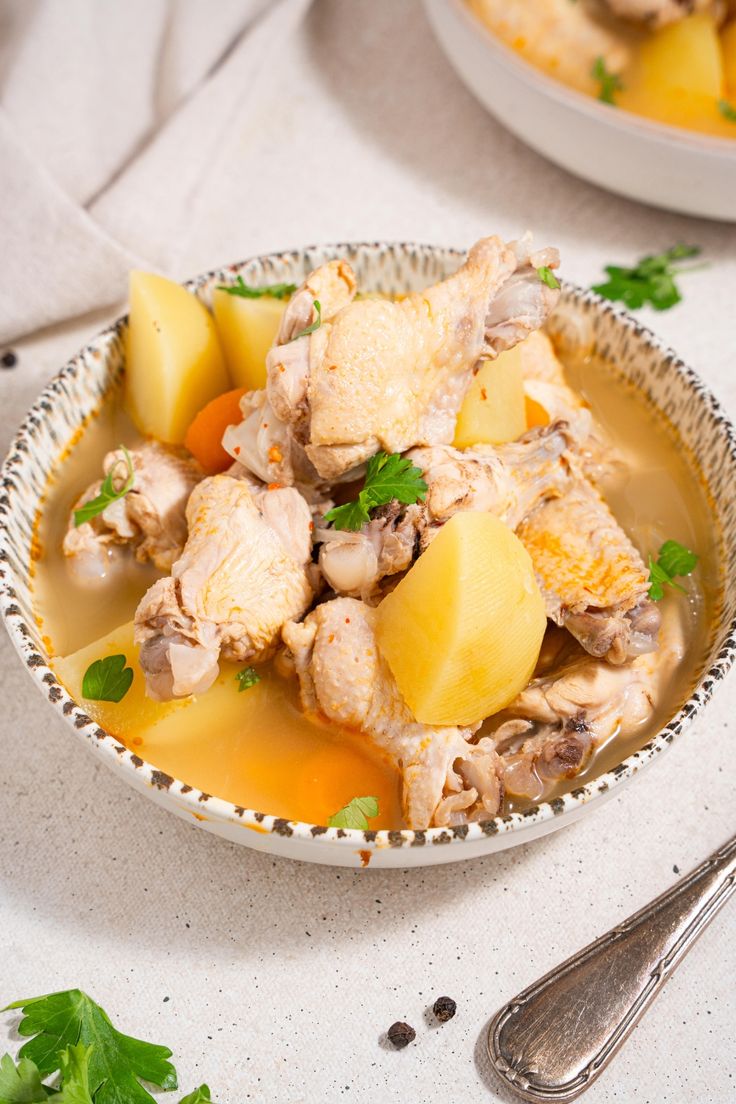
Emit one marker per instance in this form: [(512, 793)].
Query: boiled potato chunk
[(493, 408), (462, 630), (174, 364), (247, 329), (728, 45), (685, 55)]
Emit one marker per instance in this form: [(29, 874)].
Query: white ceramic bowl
[(86, 382), (663, 165)]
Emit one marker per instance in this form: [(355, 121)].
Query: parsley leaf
[(387, 477), (246, 678), (199, 1096), (727, 110), (107, 679), (315, 325), (273, 291), (609, 82), (355, 814), (675, 560), (74, 1064), (651, 280), (547, 276), (20, 1084), (107, 494), (116, 1062)]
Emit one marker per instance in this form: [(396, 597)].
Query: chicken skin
[(377, 374), (149, 519), (245, 570), (344, 678)]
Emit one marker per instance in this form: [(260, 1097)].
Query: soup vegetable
[(411, 570), (668, 60)]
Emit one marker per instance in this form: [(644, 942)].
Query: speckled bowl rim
[(205, 806), (618, 117)]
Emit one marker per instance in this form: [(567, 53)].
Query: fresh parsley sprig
[(355, 814), (73, 1037), (245, 291), (246, 678), (387, 477), (651, 280), (107, 494), (674, 561), (610, 83), (107, 679)]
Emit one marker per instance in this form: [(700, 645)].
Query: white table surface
[(271, 980)]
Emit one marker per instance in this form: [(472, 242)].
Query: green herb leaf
[(117, 1063), (20, 1084), (315, 325), (273, 291), (651, 280), (107, 679), (609, 82), (675, 560), (107, 494), (547, 276), (387, 477), (727, 110), (355, 814), (74, 1064), (199, 1096), (246, 678)]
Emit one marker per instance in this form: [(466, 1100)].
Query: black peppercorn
[(444, 1009), (401, 1034), (9, 359)]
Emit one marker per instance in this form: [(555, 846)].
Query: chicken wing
[(344, 678), (378, 374), (150, 518), (593, 579), (245, 570)]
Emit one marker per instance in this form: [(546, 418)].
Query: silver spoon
[(552, 1041)]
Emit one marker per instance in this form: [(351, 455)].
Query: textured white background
[(272, 980)]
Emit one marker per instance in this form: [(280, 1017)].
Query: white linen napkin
[(111, 118)]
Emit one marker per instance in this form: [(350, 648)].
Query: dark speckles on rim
[(78, 391)]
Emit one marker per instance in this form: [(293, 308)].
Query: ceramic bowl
[(636, 157), (84, 384)]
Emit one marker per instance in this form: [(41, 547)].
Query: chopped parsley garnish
[(246, 678), (547, 276), (315, 325), (387, 477), (107, 679), (107, 494), (610, 83), (651, 280), (727, 110), (272, 291), (355, 814), (674, 561)]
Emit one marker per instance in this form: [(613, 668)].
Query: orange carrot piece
[(204, 436)]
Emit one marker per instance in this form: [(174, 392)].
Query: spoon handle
[(550, 1042)]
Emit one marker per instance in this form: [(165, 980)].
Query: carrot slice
[(204, 436)]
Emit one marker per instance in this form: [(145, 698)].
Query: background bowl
[(636, 157), (82, 386)]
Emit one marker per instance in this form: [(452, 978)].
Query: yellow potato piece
[(685, 55), (247, 329), (462, 630), (493, 409), (174, 365), (728, 45)]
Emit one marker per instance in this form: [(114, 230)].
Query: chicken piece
[(245, 570), (409, 362), (150, 518), (593, 579), (507, 481), (565, 715), (658, 13), (344, 678), (561, 37)]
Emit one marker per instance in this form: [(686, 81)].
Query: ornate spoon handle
[(551, 1041)]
